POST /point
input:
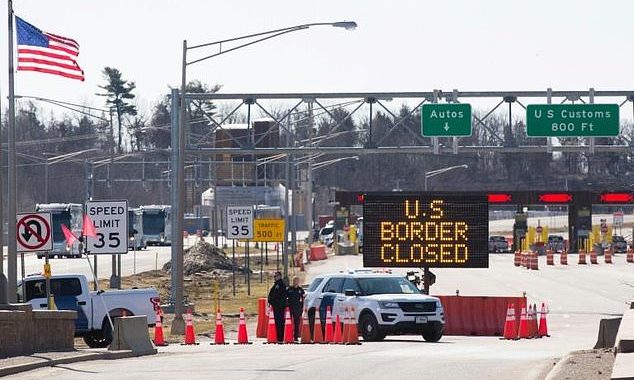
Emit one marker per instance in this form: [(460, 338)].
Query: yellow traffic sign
[(268, 230), (47, 270)]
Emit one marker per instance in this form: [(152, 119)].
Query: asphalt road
[(146, 260), (578, 297), (141, 260), (455, 358)]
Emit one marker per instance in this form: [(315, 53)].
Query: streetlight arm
[(63, 157), (434, 173), (322, 164), (340, 24), (66, 105), (244, 45)]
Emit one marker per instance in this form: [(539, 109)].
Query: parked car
[(556, 243), (71, 292), (327, 234), (619, 244), (498, 244)]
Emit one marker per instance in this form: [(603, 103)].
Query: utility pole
[(287, 217), (293, 180), (309, 177), (12, 182), (177, 165)]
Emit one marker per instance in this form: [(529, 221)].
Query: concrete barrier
[(346, 249), (131, 333), (607, 333), (625, 336), (623, 367), (24, 331)]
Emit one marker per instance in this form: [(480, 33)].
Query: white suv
[(385, 304)]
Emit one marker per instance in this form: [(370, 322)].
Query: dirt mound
[(204, 257)]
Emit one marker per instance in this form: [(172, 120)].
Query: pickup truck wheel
[(433, 332), (370, 328), (96, 340)]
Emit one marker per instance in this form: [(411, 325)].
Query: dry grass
[(200, 290)]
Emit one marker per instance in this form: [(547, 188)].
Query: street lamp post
[(436, 172), (178, 144)]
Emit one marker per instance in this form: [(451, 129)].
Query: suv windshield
[(386, 285), (618, 239), (327, 230)]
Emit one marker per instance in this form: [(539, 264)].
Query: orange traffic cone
[(543, 327), (346, 325), (318, 336), (338, 336), (220, 331), (630, 255), (305, 329), (353, 332), (563, 258), (190, 336), (533, 321), (608, 256), (550, 257), (159, 340), (582, 258), (288, 328), (243, 337), (260, 331), (329, 332), (523, 331), (271, 334), (509, 324), (517, 259)]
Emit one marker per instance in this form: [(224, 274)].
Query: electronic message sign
[(426, 230)]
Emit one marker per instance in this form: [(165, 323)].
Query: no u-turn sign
[(33, 232)]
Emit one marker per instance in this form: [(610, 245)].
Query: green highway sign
[(572, 120), (452, 119)]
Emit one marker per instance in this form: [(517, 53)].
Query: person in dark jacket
[(295, 295), (277, 299)]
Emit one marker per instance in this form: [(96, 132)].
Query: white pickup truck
[(71, 292)]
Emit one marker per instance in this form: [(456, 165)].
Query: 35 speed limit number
[(239, 222), (110, 219)]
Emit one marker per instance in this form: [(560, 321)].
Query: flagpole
[(3, 277), (12, 260)]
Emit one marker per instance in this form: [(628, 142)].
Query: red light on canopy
[(617, 198), (360, 198), (499, 198), (555, 197)]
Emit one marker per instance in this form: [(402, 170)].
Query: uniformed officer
[(277, 299), (295, 295)]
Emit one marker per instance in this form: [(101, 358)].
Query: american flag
[(46, 52)]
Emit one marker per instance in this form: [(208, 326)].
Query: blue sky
[(398, 46)]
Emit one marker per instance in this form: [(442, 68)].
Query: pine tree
[(118, 94)]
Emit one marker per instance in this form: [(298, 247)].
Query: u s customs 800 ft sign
[(425, 229)]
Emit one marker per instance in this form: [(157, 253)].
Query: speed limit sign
[(239, 222), (110, 219)]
